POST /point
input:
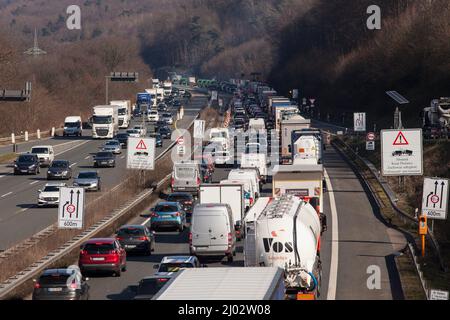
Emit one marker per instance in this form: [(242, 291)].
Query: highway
[(20, 217), (355, 241)]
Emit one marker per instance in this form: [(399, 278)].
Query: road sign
[(141, 153), (220, 102), (214, 95), (71, 208), (401, 152), (181, 150), (359, 120), (370, 145), (312, 101), (295, 94), (438, 295), (180, 140), (370, 136), (199, 129), (435, 198), (304, 101)]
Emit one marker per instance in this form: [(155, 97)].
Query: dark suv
[(59, 169), (61, 284), (27, 163)]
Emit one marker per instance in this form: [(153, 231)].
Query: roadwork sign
[(141, 153), (401, 152), (370, 136), (435, 198), (71, 208)]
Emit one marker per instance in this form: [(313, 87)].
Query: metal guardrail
[(34, 269)]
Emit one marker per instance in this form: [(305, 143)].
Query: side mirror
[(34, 280), (39, 190), (86, 279)]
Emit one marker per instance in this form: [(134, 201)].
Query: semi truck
[(436, 118), (228, 283), (154, 100), (286, 234), (231, 194), (105, 122), (167, 86), (144, 101), (288, 125), (124, 112), (307, 146)]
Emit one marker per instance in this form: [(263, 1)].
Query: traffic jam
[(248, 202)]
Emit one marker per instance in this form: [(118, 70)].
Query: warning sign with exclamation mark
[(141, 153)]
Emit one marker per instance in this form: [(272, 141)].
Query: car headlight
[(64, 172), (32, 166), (75, 183), (16, 166), (49, 172)]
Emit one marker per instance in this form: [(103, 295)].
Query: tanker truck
[(286, 234)]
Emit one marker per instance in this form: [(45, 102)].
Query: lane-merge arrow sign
[(435, 198)]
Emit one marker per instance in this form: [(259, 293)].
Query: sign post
[(71, 208), (141, 153), (359, 121), (435, 198), (401, 152)]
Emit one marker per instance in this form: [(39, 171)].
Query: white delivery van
[(257, 124), (212, 232), (245, 174), (248, 191), (186, 177), (73, 126), (46, 154)]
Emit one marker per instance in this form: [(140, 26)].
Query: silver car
[(112, 146), (89, 180)]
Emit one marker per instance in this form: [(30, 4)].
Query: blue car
[(168, 214)]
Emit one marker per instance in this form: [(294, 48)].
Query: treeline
[(331, 55)]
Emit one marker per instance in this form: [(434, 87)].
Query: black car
[(176, 103), (137, 113), (105, 159), (158, 139), (150, 286), (185, 199), (165, 132), (123, 139), (27, 163), (59, 169), (136, 238), (61, 284), (187, 94), (160, 123), (162, 107)]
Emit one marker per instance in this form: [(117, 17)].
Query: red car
[(103, 254)]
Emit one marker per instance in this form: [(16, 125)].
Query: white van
[(45, 154), (246, 174), (212, 231), (73, 126), (186, 177), (249, 198), (257, 124), (255, 160)]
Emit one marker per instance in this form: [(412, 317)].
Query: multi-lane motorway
[(357, 243), (20, 217)]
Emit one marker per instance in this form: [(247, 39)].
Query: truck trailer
[(229, 283)]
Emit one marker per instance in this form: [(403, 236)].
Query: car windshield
[(150, 286), (173, 267), (185, 172), (166, 208), (102, 119), (133, 131), (59, 164), (111, 143), (122, 136), (218, 135), (104, 154), (122, 111), (39, 150), (87, 175), (72, 124), (131, 232), (51, 188), (167, 115), (26, 159), (98, 248)]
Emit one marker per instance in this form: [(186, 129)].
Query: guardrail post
[(26, 135), (13, 138), (38, 134), (53, 131)]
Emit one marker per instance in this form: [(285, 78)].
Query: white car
[(49, 196), (142, 130), (153, 116), (45, 154), (134, 133)]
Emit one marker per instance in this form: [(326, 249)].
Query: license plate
[(104, 162), (128, 246), (54, 289), (98, 259), (23, 170)]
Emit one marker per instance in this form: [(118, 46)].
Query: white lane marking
[(122, 157), (1, 176), (87, 157), (332, 281), (73, 164), (31, 183), (145, 222), (76, 146), (6, 194)]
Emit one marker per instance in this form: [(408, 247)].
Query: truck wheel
[(117, 273), (181, 228), (230, 258)]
